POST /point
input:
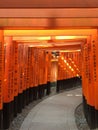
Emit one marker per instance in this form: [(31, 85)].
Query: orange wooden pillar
[(8, 91), (49, 73), (88, 81), (94, 47), (1, 77), (33, 85), (46, 71), (20, 90), (39, 69), (91, 86), (25, 55), (27, 65), (35, 89), (40, 73), (84, 80), (59, 84), (30, 74), (34, 73), (15, 75)]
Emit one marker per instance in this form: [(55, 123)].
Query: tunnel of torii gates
[(26, 73)]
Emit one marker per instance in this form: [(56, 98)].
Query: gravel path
[(79, 116), (17, 122)]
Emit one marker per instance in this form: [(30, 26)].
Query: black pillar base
[(1, 119), (15, 106), (6, 115), (27, 96), (90, 114), (19, 103), (40, 91), (43, 89), (48, 88), (96, 118), (35, 93), (59, 82), (24, 98), (62, 85), (68, 83), (91, 117), (58, 87), (31, 94), (12, 110), (85, 107)]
